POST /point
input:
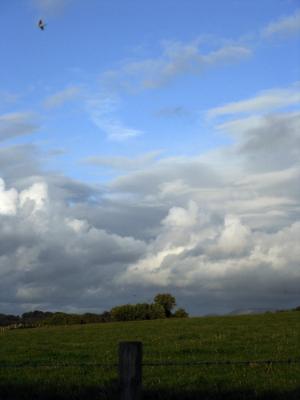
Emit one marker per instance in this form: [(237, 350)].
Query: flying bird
[(41, 24)]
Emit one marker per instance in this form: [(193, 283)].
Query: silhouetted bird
[(41, 24)]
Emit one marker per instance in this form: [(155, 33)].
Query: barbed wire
[(153, 364), (57, 366), (223, 362)]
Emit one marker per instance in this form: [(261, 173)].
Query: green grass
[(260, 337)]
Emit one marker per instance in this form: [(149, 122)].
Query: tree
[(180, 313), (156, 311), (137, 312), (167, 301)]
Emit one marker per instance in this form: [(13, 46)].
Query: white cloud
[(284, 26), (37, 193), (102, 111), (77, 225), (8, 200), (181, 217), (235, 237), (267, 100)]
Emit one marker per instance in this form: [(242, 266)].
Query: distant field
[(260, 337)]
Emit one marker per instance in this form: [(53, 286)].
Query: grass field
[(256, 337)]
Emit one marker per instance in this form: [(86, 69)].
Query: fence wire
[(250, 363), (222, 363)]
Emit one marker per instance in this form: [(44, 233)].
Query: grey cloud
[(267, 265), (274, 144), (175, 60), (75, 256), (22, 166), (125, 218), (52, 258), (71, 190), (19, 162), (219, 231), (123, 163), (173, 112), (17, 124), (61, 97), (167, 175)]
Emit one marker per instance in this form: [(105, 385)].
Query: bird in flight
[(41, 24)]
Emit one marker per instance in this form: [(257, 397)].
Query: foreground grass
[(261, 337)]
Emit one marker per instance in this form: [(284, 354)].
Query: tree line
[(162, 307)]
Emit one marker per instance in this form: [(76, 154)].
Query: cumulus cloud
[(17, 124), (10, 200), (226, 261), (7, 200), (219, 230), (54, 257), (36, 195), (287, 25)]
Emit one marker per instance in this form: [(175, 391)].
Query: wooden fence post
[(130, 370)]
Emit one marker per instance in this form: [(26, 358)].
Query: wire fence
[(170, 363), (130, 367)]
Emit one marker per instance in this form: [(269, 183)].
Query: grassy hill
[(47, 353)]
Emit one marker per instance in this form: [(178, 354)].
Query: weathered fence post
[(130, 370)]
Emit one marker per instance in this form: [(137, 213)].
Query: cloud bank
[(219, 230)]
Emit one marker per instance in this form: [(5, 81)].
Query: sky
[(149, 147)]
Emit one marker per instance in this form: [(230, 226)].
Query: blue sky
[(168, 110), (85, 42)]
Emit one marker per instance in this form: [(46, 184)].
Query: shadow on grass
[(110, 392)]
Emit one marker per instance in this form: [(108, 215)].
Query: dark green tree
[(167, 301), (180, 313), (137, 312)]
